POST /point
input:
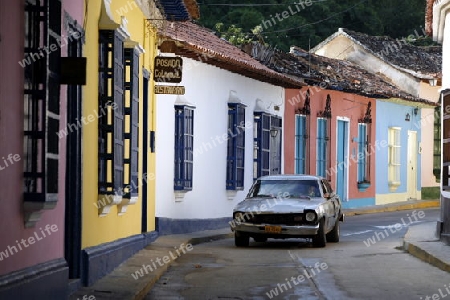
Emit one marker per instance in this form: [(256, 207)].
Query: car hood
[(278, 205)]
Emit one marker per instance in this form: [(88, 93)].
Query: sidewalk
[(121, 284)]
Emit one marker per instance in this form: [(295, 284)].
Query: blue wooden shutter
[(300, 144)]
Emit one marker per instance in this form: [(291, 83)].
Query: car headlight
[(239, 216), (310, 216)]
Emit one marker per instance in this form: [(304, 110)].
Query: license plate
[(272, 229)]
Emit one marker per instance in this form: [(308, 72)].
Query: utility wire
[(316, 22), (254, 4)]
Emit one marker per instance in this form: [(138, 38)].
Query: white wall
[(343, 48), (208, 89), (427, 139), (446, 54)]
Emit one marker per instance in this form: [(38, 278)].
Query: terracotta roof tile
[(337, 74), (199, 43), (420, 62)]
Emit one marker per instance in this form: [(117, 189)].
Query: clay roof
[(337, 74), (421, 62), (191, 40)]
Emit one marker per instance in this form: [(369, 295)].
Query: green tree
[(315, 22)]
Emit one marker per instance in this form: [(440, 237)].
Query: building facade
[(414, 70), (341, 127), (34, 95), (437, 17), (221, 134)]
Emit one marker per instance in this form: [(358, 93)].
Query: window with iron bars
[(184, 146), (41, 100), (131, 118), (111, 104), (235, 146)]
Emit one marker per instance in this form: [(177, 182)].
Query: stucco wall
[(208, 88), (96, 229), (11, 140), (393, 115), (446, 54), (430, 93)]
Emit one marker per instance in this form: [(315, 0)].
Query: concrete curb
[(393, 207), (193, 241), (422, 242), (417, 251)]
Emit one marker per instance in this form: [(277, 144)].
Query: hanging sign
[(170, 89), (168, 69)]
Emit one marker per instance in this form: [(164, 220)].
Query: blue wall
[(393, 115)]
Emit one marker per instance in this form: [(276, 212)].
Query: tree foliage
[(283, 23)]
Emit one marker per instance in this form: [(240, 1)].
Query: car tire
[(260, 239), (319, 241), (241, 239), (333, 235)]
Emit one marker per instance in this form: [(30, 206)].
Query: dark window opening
[(184, 146)]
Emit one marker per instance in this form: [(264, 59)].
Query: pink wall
[(343, 104), (50, 246)]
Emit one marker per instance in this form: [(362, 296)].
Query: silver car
[(288, 206)]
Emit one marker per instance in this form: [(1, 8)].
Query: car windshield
[(285, 188)]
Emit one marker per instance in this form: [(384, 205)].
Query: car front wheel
[(241, 239), (319, 241)]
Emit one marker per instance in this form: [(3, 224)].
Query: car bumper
[(294, 231)]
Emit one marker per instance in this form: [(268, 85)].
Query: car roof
[(290, 177)]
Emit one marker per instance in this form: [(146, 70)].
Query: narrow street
[(366, 264)]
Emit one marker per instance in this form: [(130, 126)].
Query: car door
[(332, 205)]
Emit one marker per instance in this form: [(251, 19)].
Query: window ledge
[(393, 185), (363, 186), (179, 195), (34, 209), (106, 202), (231, 194), (122, 207)]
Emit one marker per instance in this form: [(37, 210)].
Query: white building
[(438, 25), (225, 131)]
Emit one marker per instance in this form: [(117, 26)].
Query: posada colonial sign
[(168, 69)]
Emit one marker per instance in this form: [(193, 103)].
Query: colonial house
[(119, 168), (437, 26), (345, 125), (39, 40), (221, 127), (414, 70)]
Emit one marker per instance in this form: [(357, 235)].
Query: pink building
[(33, 107)]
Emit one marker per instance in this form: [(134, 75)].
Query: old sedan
[(288, 206)]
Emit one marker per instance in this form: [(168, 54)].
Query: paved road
[(366, 264)]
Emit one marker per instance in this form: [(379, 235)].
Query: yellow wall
[(95, 229), (381, 199)]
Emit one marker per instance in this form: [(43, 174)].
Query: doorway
[(342, 159), (412, 165), (73, 193)]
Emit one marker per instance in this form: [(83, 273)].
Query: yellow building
[(118, 169)]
